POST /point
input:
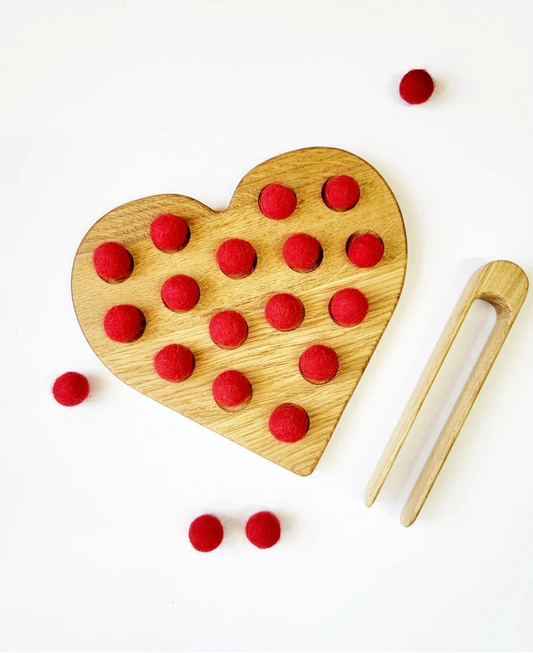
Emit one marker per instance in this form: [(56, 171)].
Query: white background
[(102, 102)]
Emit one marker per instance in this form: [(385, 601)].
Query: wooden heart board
[(268, 358)]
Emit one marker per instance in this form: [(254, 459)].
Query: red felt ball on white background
[(348, 307), (180, 293), (124, 323), (70, 389), (277, 201), (169, 232), (365, 250), (417, 86), (263, 529), (112, 262), (319, 364), (288, 423), (341, 193), (284, 312), (232, 390), (174, 363), (228, 329), (302, 253), (236, 258), (206, 533)]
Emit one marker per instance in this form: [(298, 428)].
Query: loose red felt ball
[(228, 329), (180, 293), (206, 533), (231, 390), (288, 423), (341, 193), (263, 529), (302, 252), (124, 323), (112, 262), (348, 307), (169, 232), (236, 258), (70, 389), (319, 364), (284, 312), (365, 250), (417, 86), (174, 363), (277, 201)]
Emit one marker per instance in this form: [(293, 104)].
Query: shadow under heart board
[(270, 359)]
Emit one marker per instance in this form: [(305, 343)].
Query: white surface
[(103, 102)]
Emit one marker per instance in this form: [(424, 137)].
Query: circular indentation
[(365, 250), (232, 390), (288, 423), (277, 201), (206, 533), (348, 307), (319, 364), (112, 262), (263, 529), (236, 258), (169, 233), (180, 293), (228, 329), (124, 323), (302, 253), (284, 312), (70, 389), (174, 363), (341, 193), (417, 86)]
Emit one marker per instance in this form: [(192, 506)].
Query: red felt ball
[(417, 86), (365, 250), (206, 533), (288, 423), (341, 193), (236, 258), (319, 364), (112, 262), (232, 390), (180, 293), (169, 232), (284, 312), (124, 323), (302, 253), (228, 329), (70, 389), (174, 363), (263, 529), (348, 307), (277, 201)]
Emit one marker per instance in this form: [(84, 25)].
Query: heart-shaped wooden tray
[(268, 358)]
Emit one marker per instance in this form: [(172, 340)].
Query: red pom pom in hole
[(232, 390), (288, 423), (70, 389), (341, 193), (302, 253), (263, 529), (228, 329), (365, 250), (180, 293), (169, 233), (174, 363), (124, 323), (236, 258), (277, 201), (284, 312), (417, 86), (348, 307), (319, 364), (112, 262), (206, 533)]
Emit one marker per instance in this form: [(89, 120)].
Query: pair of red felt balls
[(263, 530)]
